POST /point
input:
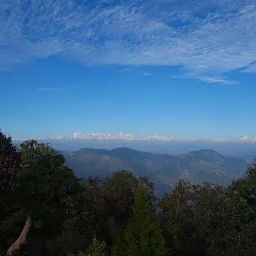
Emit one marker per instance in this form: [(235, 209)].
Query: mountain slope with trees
[(196, 167), (46, 210)]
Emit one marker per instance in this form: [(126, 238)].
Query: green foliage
[(76, 235), (142, 236), (120, 191), (96, 248), (9, 162), (45, 188), (45, 185), (10, 216), (10, 227), (120, 188), (223, 217), (246, 187), (68, 213), (177, 220)]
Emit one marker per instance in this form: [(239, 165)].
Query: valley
[(164, 169)]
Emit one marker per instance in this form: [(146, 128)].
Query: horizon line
[(130, 137)]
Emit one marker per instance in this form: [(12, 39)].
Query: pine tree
[(142, 236), (96, 248)]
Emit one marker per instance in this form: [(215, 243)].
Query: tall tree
[(142, 235), (120, 191), (96, 248), (246, 186), (89, 220), (177, 220), (9, 215), (46, 188), (9, 162), (224, 219)]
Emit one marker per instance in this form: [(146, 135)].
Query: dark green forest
[(46, 210)]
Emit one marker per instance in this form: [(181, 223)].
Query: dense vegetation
[(46, 210)]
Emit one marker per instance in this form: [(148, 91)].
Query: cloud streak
[(206, 39), (50, 89), (131, 137), (205, 79), (250, 69), (147, 74)]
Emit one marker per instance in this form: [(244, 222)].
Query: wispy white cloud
[(223, 139), (50, 89), (216, 80), (250, 69), (206, 79), (147, 74), (126, 69), (207, 39)]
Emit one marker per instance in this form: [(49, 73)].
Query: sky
[(168, 68)]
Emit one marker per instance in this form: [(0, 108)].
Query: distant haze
[(242, 150), (163, 169)]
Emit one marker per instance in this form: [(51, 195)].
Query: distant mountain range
[(131, 137), (244, 150), (163, 169)]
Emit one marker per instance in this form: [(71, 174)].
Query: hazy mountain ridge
[(165, 169), (244, 150)]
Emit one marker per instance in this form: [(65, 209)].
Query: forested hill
[(197, 166), (45, 210)]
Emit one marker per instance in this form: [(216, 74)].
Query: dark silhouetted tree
[(177, 220), (10, 216), (9, 162), (46, 188)]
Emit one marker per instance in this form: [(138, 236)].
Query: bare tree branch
[(22, 238)]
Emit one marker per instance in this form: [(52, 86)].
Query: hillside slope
[(196, 166)]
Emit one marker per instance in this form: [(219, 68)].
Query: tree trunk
[(22, 238)]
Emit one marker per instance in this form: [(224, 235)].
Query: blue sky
[(180, 68)]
